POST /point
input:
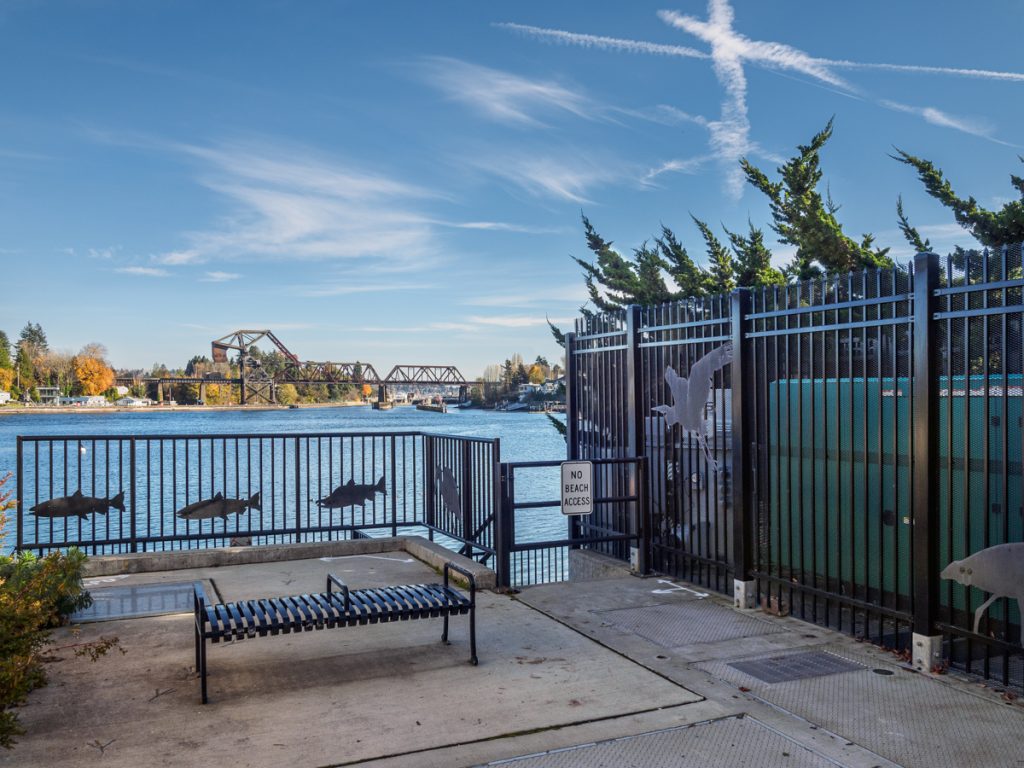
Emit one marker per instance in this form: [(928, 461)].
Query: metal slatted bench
[(346, 607)]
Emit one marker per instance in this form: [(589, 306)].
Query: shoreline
[(53, 409)]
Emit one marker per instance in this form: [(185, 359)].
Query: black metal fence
[(837, 447), (114, 494)]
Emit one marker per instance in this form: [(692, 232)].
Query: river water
[(524, 437)]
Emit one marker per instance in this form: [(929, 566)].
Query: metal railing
[(137, 493), (617, 525)]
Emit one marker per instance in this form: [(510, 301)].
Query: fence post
[(743, 512), (131, 463), (20, 490), (467, 497), (429, 510), (635, 429), (572, 423), (504, 531), (927, 646), (571, 404)]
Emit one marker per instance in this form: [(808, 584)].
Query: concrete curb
[(426, 551)]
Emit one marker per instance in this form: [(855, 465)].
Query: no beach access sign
[(577, 487)]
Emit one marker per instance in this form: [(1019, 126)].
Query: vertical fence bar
[(394, 491), (744, 588), (467, 497), (927, 649), (133, 523), (298, 491)]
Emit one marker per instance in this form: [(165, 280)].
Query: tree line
[(662, 269), (30, 363)]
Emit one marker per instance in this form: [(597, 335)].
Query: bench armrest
[(334, 580), (199, 601), (450, 566)]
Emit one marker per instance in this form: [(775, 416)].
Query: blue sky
[(402, 182)]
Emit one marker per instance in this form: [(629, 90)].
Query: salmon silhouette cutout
[(350, 494), (998, 570), (77, 505)]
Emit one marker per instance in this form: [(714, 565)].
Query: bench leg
[(201, 663), (472, 636), (444, 634)]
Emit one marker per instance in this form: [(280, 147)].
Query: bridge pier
[(159, 391), (463, 393), (382, 393), (202, 393)]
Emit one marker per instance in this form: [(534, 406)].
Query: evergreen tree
[(803, 218), (33, 335), (753, 259), (720, 272), (5, 351), (990, 228), (909, 232), (688, 277)]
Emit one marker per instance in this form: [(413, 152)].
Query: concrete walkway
[(618, 672)]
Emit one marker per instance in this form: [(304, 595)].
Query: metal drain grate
[(137, 600), (796, 666), (693, 621)]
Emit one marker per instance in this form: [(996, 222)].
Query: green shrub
[(36, 594)]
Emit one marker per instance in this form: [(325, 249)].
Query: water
[(524, 437)]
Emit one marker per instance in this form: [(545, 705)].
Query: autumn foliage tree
[(94, 376)]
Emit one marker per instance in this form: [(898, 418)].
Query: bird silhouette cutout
[(691, 393), (998, 570)]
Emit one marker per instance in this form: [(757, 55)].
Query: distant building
[(89, 401), (133, 402), (48, 395), (5, 397), (121, 390)]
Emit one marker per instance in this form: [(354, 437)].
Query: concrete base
[(586, 565), (426, 551), (927, 652), (744, 594)]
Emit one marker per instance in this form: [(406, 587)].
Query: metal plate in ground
[(796, 666), (912, 720), (672, 625), (137, 600), (734, 742)]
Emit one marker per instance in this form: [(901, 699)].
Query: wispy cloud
[(501, 226), (600, 42), (945, 120), (347, 288), (501, 96), (101, 253), (514, 321), (143, 271), (219, 277), (568, 177), (686, 166), (573, 292), (288, 204), (982, 74)]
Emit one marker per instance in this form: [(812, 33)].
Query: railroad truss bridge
[(257, 385)]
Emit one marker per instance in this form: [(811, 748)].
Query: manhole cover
[(796, 666), (693, 621), (137, 600)]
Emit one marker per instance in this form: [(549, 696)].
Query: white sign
[(577, 487)]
